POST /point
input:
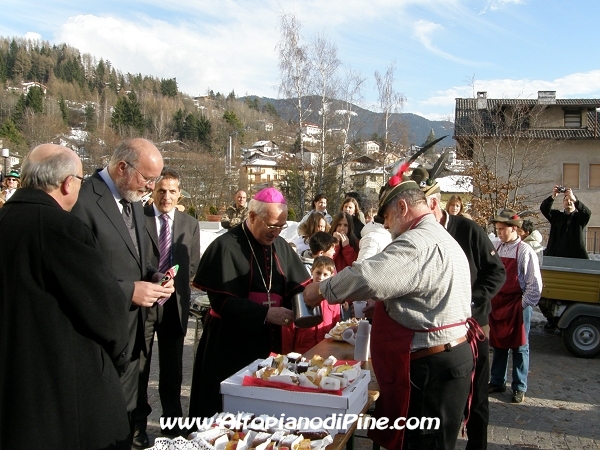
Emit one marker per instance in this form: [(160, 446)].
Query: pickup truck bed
[(571, 279), (571, 299)]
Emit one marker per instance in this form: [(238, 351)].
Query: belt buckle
[(448, 346)]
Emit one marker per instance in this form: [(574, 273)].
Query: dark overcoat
[(63, 332), (99, 211)]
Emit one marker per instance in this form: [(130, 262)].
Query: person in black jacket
[(487, 277), (64, 331), (566, 227)]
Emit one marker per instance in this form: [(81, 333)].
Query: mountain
[(367, 123)]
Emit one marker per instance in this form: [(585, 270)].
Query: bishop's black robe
[(228, 271)]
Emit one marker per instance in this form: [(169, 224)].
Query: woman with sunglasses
[(10, 185)]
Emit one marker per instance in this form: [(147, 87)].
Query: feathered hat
[(398, 182)]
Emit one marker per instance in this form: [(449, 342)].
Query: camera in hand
[(561, 189)]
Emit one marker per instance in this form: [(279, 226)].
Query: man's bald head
[(53, 169), (47, 165)]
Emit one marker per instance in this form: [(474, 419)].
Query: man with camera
[(566, 227)]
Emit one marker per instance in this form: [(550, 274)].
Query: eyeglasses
[(145, 178), (75, 176), (12, 179), (274, 227)]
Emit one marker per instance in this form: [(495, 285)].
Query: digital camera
[(561, 189)]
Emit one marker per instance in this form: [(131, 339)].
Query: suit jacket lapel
[(151, 225), (178, 231), (107, 204)]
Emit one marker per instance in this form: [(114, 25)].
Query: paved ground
[(561, 408)]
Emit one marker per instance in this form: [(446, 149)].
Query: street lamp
[(5, 155)]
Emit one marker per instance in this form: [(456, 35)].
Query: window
[(572, 119), (594, 182), (571, 176), (593, 239)]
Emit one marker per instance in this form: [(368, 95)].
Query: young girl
[(346, 252), (315, 222), (351, 207)]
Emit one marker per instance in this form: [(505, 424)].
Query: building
[(370, 147), (540, 142)]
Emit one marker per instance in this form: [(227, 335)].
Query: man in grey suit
[(174, 239), (109, 204)]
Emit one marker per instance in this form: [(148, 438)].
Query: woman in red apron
[(511, 316)]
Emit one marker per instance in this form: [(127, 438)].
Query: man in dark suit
[(487, 277), (109, 204), (174, 239), (62, 319)]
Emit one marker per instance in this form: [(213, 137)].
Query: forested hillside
[(49, 90)]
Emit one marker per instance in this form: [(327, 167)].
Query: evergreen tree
[(19, 111), (430, 138), (271, 110), (177, 123), (9, 131), (196, 129), (90, 117), (64, 110), (232, 119), (127, 115), (168, 88), (252, 103), (35, 99)]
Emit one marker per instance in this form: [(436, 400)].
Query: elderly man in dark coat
[(63, 325)]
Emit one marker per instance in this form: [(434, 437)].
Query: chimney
[(547, 97), (482, 100)]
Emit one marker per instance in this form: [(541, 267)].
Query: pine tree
[(35, 99), (9, 131), (64, 110)]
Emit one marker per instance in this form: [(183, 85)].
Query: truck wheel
[(582, 337)]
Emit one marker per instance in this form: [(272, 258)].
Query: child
[(322, 246), (323, 267)]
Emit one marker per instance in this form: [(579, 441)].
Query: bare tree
[(295, 69), (510, 155), (325, 64), (351, 94), (390, 102)]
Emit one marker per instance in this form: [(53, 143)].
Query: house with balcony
[(546, 140)]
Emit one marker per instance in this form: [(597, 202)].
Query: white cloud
[(200, 57), (576, 85), (33, 36), (424, 31)]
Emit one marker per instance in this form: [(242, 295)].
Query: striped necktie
[(164, 244)]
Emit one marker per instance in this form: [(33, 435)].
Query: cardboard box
[(274, 402)]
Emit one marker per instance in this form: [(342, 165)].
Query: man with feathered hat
[(421, 286)]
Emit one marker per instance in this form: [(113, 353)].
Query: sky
[(440, 49)]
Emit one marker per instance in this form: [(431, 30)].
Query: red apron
[(506, 319), (390, 357)]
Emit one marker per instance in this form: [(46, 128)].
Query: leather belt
[(436, 349)]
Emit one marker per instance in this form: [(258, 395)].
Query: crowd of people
[(99, 277)]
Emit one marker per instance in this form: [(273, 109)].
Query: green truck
[(571, 298)]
